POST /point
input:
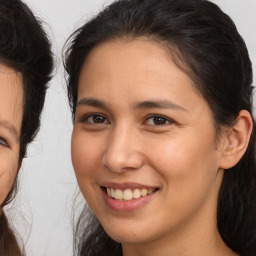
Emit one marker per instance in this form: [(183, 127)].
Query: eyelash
[(85, 119), (103, 120), (167, 121)]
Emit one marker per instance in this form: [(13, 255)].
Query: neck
[(182, 246), (194, 239)]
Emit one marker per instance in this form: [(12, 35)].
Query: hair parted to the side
[(24, 46), (203, 41)]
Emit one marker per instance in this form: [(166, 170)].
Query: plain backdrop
[(42, 210)]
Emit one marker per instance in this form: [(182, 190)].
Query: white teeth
[(118, 194), (128, 194), (150, 191), (144, 192), (136, 193), (112, 192)]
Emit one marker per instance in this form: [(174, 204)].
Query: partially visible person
[(163, 144), (26, 65)]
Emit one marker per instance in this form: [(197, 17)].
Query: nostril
[(122, 161)]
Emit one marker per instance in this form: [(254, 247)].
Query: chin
[(125, 238), (128, 235)]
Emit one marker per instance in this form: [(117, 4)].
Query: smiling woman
[(163, 144), (25, 68), (11, 98)]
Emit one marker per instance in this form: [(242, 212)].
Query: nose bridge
[(122, 150)]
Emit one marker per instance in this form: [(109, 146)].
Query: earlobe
[(237, 140)]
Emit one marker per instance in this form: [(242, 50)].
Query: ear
[(237, 140)]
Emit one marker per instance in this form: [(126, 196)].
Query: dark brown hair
[(24, 47)]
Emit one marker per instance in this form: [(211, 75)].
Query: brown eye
[(95, 119), (98, 119), (158, 120)]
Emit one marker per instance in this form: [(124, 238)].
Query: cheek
[(85, 154), (8, 172), (86, 160), (185, 152), (186, 164)]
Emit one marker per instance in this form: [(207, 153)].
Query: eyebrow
[(155, 103), (92, 102), (10, 127)]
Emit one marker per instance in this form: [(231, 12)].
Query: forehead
[(139, 65), (11, 97)]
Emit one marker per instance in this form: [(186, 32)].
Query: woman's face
[(144, 146), (11, 109)]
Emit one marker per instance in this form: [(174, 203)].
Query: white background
[(42, 211)]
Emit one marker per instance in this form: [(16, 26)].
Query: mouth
[(127, 197), (128, 194)]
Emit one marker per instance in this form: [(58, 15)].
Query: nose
[(123, 151)]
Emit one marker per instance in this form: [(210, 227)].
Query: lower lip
[(126, 206)]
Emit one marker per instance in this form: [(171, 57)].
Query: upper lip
[(126, 185)]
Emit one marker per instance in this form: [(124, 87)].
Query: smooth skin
[(139, 119), (11, 110)]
